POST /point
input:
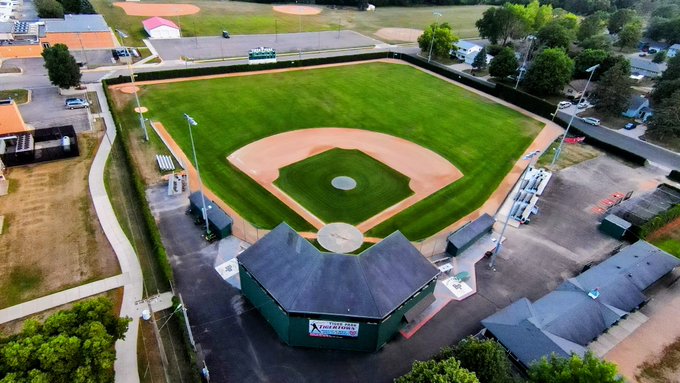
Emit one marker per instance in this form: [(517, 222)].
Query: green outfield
[(480, 137), (309, 183)]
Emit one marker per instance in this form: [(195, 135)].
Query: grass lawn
[(241, 18), (20, 96), (482, 138), (309, 183)]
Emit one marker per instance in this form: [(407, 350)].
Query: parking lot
[(239, 345), (238, 46), (46, 110)]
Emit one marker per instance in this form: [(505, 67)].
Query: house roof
[(76, 24), (466, 45), (638, 63), (636, 102), (10, 118), (675, 47), (216, 215), (567, 319), (305, 280), (6, 27), (470, 231), (155, 22)]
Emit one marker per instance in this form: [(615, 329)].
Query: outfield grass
[(482, 138), (309, 183), (241, 18)]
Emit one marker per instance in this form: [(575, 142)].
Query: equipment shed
[(614, 226), (468, 234), (218, 221)]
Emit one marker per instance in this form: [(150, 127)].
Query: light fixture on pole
[(591, 70), (434, 31), (191, 122), (523, 69), (528, 157), (123, 36)]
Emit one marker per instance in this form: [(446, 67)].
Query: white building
[(465, 49), (160, 28), (673, 50)]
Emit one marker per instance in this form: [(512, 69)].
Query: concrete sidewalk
[(126, 350)]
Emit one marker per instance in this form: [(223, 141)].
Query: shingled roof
[(566, 320), (304, 280)]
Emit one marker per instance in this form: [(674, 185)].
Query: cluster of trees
[(437, 38), (62, 68), (75, 345), (485, 361), (57, 8), (665, 123), (665, 24)]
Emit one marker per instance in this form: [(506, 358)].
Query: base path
[(139, 9), (301, 10), (428, 171)]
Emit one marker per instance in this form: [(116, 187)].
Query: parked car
[(225, 34), (591, 120), (652, 50), (76, 103), (643, 54), (564, 104), (583, 105), (630, 126)]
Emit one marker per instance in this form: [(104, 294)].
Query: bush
[(448, 370), (660, 221)]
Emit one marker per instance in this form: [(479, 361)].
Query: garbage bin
[(225, 34)]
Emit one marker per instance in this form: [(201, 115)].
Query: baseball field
[(481, 138)]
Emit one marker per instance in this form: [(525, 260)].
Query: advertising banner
[(329, 329)]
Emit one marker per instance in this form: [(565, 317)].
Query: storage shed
[(614, 226), (160, 28), (337, 301), (218, 221), (468, 234)]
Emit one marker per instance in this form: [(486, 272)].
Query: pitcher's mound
[(129, 89), (297, 10), (141, 109), (139, 9), (399, 34)]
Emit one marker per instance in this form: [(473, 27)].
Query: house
[(570, 318), (638, 107), (11, 121), (575, 88), (673, 50), (160, 28), (462, 50), (646, 68), (470, 58)]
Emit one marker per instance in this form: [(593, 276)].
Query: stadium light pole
[(522, 69), (434, 30), (191, 122), (123, 36), (592, 70), (528, 157)]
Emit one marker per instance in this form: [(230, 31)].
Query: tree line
[(56, 9)]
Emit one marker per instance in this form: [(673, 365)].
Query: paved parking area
[(239, 345), (46, 110), (238, 46)]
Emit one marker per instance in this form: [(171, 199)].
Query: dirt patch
[(129, 89), (409, 35), (141, 109), (53, 239), (297, 10), (139, 9)]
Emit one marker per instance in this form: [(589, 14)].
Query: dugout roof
[(304, 280)]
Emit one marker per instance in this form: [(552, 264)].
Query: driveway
[(46, 110), (239, 345), (238, 46)]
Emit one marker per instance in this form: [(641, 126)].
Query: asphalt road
[(46, 110), (240, 346), (201, 48)]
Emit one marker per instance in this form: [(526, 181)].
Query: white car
[(564, 104), (591, 120), (76, 103), (583, 105)]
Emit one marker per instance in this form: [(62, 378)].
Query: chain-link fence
[(642, 209)]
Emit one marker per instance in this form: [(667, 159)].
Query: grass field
[(481, 138), (241, 18), (309, 183)]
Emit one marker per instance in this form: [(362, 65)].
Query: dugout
[(336, 301), (219, 222), (614, 226), (464, 237)]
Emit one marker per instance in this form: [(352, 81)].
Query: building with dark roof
[(340, 301), (464, 237), (219, 222), (566, 320)]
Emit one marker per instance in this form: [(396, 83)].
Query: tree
[(486, 358), (49, 9), (586, 59), (669, 82), (503, 64), (597, 42), (573, 369), (614, 90), (479, 62), (74, 345), (62, 68), (620, 18), (443, 42), (659, 57), (554, 35), (630, 35), (665, 123), (590, 26), (668, 11), (448, 371), (500, 24), (550, 72)]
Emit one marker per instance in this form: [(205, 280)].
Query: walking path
[(126, 350)]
